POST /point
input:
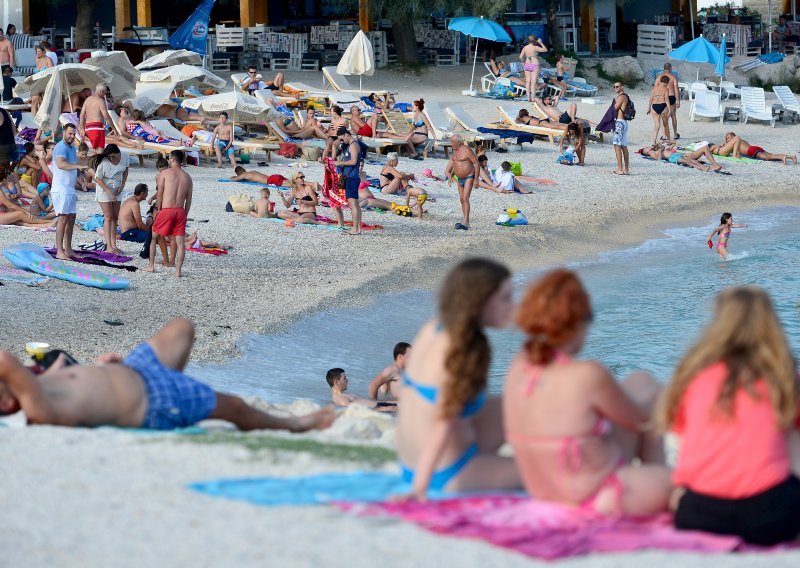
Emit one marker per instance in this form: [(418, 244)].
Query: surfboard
[(32, 257)]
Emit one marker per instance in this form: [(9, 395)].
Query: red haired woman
[(574, 429)]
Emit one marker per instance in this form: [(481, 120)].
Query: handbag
[(288, 150)]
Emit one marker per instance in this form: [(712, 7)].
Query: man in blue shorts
[(147, 389)]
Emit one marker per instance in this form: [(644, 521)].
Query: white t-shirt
[(505, 179), (111, 175), (64, 180)]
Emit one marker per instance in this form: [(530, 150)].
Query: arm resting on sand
[(22, 384)]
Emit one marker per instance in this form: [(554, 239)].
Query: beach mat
[(550, 531), (281, 187), (540, 181), (328, 224), (693, 147)]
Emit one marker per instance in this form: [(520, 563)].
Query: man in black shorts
[(349, 167), (674, 98)]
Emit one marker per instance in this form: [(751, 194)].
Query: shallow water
[(650, 302)]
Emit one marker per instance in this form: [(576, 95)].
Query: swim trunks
[(223, 144), (673, 159), (65, 202), (351, 187), (174, 400), (275, 179), (754, 151), (365, 130), (170, 222), (620, 132), (134, 235), (96, 135), (564, 118), (672, 100)]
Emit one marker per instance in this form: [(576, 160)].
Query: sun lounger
[(708, 105), (338, 82), (163, 149), (442, 131), (582, 88), (550, 133), (307, 90), (754, 106), (538, 111), (169, 131), (273, 127), (728, 88), (786, 98), (69, 118), (465, 121), (490, 79)]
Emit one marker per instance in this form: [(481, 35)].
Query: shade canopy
[(184, 76), (480, 28), (124, 75), (171, 57), (240, 107), (73, 76), (698, 50)]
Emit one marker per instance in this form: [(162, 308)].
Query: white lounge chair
[(582, 87), (695, 88), (786, 98), (488, 80), (728, 88), (338, 82), (706, 104), (754, 106), (506, 116), (459, 116)]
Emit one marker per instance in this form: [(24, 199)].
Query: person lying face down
[(147, 389)]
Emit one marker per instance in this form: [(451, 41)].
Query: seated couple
[(147, 389), (337, 381), (499, 181), (136, 127), (737, 147), (670, 154)]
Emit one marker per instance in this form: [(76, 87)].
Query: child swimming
[(724, 232)]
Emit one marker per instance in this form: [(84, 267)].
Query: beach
[(99, 497)]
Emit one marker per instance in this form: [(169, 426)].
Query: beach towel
[(21, 276), (540, 181), (698, 145), (99, 258), (364, 226), (331, 191), (208, 250), (521, 137), (279, 187)]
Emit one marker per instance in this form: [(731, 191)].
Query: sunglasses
[(301, 177)]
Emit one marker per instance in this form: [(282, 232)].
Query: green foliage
[(627, 80), (260, 443), (785, 78)]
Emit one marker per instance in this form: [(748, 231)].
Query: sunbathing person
[(28, 170), (500, 69), (193, 242), (307, 201), (311, 128), (147, 389), (244, 175), (369, 128), (525, 118), (177, 112), (549, 106), (659, 152), (576, 432), (367, 199), (137, 126), (392, 180), (11, 200), (737, 147), (12, 213), (262, 206), (379, 103)]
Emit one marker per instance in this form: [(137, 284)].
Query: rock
[(625, 67)]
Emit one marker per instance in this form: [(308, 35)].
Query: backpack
[(630, 110)]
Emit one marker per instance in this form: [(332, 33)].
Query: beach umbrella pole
[(471, 91)]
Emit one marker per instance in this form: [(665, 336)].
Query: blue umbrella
[(193, 33), (699, 50), (479, 28), (723, 47)]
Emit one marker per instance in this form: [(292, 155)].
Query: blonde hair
[(296, 175), (746, 335), (391, 156)]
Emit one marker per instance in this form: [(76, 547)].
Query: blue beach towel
[(508, 133), (281, 187)]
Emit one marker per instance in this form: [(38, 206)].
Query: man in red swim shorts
[(94, 115), (174, 201), (738, 147)]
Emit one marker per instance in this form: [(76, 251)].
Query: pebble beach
[(131, 488)]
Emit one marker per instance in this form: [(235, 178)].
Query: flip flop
[(615, 172), (461, 227)]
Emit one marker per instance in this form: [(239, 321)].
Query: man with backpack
[(624, 111)]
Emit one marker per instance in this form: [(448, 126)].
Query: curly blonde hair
[(462, 300)]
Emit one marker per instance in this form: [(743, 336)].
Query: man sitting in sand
[(337, 380), (388, 380), (737, 147), (262, 205), (130, 216), (147, 389)]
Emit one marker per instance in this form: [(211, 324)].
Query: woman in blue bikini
[(448, 430)]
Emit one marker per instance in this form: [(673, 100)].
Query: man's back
[(177, 187), (127, 215), (93, 109)]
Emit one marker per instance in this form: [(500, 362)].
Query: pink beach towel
[(549, 531)]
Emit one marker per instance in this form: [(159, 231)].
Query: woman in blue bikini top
[(448, 430)]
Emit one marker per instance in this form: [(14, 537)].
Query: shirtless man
[(463, 168), (222, 140), (388, 381), (549, 106), (674, 97), (173, 204), (737, 147), (337, 380), (94, 117), (243, 175), (130, 216), (6, 51), (307, 201), (147, 389)]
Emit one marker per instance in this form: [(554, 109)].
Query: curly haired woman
[(574, 429), (448, 430)]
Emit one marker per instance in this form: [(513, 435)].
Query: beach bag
[(516, 168), (288, 150), (501, 90), (630, 110), (310, 152), (241, 203), (511, 218)]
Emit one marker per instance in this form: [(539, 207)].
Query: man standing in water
[(621, 131), (94, 116), (674, 97), (463, 168), (173, 204)]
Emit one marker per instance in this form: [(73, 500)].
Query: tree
[(84, 20)]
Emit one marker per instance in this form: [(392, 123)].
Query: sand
[(84, 498)]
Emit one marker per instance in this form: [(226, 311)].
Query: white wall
[(11, 13)]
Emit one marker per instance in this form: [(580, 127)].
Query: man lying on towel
[(147, 389), (243, 175), (738, 147)]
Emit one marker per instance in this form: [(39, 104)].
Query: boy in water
[(387, 381), (337, 380), (147, 389)]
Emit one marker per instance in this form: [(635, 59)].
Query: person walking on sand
[(673, 98), (658, 108), (724, 232), (147, 389), (94, 117), (530, 63), (65, 167), (349, 166), (463, 167), (222, 140), (621, 103), (173, 204)]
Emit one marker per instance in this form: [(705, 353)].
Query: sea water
[(650, 303)]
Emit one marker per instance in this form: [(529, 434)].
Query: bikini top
[(570, 450), (419, 123), (431, 395)]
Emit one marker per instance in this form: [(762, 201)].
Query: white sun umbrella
[(125, 75), (358, 59), (239, 106), (184, 76), (171, 57), (73, 76), (149, 96)]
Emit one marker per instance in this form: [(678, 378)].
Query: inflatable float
[(32, 257)]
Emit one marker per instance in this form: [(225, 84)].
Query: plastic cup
[(272, 207), (37, 349)]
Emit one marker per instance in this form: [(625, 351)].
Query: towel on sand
[(21, 276)]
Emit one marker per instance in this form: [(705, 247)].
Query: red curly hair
[(552, 311)]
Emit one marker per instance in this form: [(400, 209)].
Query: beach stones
[(625, 67)]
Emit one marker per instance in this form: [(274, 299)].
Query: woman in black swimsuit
[(393, 180), (659, 109), (525, 118)]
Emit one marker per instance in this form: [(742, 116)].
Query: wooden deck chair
[(65, 119), (162, 149), (551, 133), (539, 113)]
